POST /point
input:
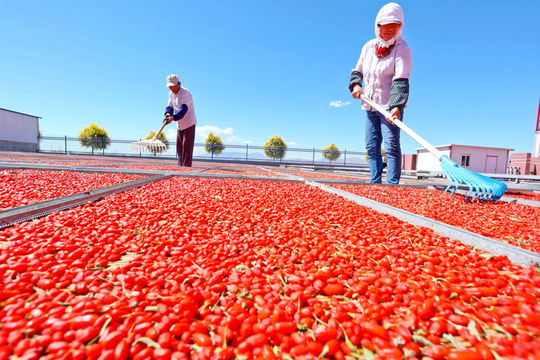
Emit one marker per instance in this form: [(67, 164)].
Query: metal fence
[(114, 147)]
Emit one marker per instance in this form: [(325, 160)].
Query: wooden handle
[(161, 129), (404, 127)]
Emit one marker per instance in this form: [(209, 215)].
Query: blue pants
[(377, 128)]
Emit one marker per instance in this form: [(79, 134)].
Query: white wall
[(15, 127), (427, 162), (482, 160), (536, 151)]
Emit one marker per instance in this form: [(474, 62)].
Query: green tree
[(275, 148), (331, 153), (213, 144), (94, 137), (161, 137)]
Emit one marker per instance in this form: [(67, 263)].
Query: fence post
[(280, 153), (103, 144), (65, 146), (212, 152), (313, 156), (247, 145), (345, 158), (140, 151)]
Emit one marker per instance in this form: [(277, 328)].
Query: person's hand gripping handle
[(357, 91)]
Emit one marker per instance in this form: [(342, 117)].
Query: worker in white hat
[(385, 67), (180, 109)]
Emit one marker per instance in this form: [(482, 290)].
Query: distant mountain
[(356, 160)]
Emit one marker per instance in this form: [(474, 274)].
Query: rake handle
[(404, 127), (160, 130)]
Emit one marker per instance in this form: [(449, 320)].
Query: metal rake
[(484, 188), (152, 145)]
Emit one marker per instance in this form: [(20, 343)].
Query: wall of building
[(481, 159), (17, 146), (535, 165), (18, 132), (425, 161), (409, 162), (527, 164), (536, 151)]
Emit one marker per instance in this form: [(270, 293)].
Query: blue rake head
[(485, 188)]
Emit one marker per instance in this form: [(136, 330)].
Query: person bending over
[(180, 109)]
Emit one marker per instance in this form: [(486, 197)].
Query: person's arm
[(170, 105), (399, 92), (355, 82), (179, 115), (168, 114), (169, 110)]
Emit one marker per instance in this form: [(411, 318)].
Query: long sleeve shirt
[(386, 80), (179, 102)]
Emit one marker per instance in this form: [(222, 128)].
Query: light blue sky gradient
[(259, 68)]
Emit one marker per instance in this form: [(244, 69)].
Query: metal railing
[(248, 153)]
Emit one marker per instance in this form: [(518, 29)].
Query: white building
[(485, 160), (18, 131), (536, 152)]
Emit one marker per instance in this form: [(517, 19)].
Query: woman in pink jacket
[(384, 66)]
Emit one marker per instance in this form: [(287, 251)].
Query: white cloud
[(227, 135), (247, 142), (339, 103), (171, 134), (292, 143)]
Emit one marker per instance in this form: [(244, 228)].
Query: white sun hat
[(172, 80)]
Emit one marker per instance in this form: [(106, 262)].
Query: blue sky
[(260, 68)]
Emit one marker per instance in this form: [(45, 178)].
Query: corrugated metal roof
[(16, 112), (473, 146)]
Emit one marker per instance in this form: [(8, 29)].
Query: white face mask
[(391, 12)]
